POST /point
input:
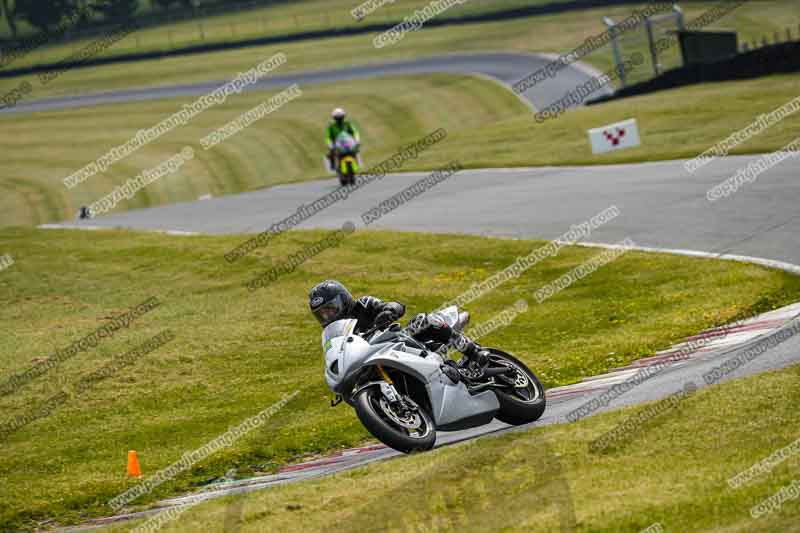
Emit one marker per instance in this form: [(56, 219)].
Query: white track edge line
[(769, 263)]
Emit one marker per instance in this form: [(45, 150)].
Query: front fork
[(387, 389)]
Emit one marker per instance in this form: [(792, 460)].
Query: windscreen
[(340, 328), (345, 141)]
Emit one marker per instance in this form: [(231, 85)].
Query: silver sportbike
[(403, 391)]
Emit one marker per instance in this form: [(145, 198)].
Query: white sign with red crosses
[(617, 136)]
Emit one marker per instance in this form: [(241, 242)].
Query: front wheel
[(523, 399), (350, 173), (409, 431)]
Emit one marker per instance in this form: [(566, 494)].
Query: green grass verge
[(276, 20), (675, 124), (672, 471), (236, 352), (497, 130), (551, 33), (282, 18)]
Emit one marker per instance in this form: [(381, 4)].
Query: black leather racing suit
[(368, 310)]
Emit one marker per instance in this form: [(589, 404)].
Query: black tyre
[(525, 401), (387, 426)]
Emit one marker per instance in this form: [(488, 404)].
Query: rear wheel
[(523, 400), (407, 431)]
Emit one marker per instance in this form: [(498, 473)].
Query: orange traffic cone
[(133, 465)]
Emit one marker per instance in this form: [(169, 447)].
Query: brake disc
[(521, 380), (409, 421)]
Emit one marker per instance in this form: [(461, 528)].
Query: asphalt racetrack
[(661, 205), (506, 68)]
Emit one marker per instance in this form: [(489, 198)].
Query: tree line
[(47, 15)]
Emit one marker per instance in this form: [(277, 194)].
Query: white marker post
[(617, 136)]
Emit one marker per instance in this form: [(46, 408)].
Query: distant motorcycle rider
[(337, 125), (330, 301)]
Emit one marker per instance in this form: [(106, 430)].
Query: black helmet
[(330, 301)]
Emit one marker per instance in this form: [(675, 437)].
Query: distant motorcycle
[(403, 390), (346, 158)]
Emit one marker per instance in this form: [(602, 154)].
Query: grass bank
[(236, 352), (559, 33)]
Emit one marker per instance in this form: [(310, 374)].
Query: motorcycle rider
[(331, 301), (337, 125)]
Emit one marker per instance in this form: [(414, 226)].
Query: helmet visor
[(329, 311)]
